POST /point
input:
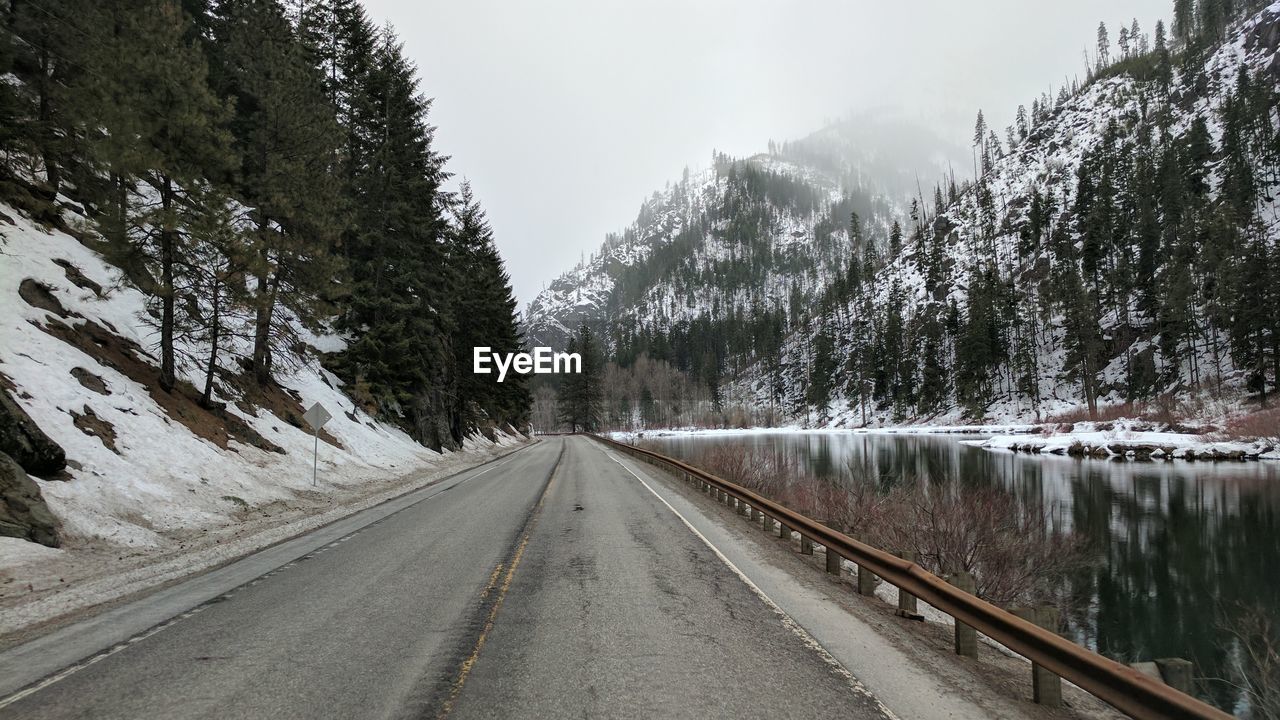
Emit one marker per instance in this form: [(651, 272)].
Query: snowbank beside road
[(152, 477)]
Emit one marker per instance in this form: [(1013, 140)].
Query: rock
[(77, 277), (23, 512), (38, 295), (22, 440), (90, 381), (90, 424)]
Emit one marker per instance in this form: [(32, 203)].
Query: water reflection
[(1180, 545)]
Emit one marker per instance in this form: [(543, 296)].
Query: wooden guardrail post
[(766, 522), (966, 637), (806, 545), (1046, 688), (907, 607), (784, 531)]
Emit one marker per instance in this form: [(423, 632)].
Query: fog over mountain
[(565, 114)]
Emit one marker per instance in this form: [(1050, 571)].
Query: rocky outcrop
[(23, 441), (23, 512)]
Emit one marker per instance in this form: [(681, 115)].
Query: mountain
[(737, 251), (1118, 246)]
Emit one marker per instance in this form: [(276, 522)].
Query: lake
[(1177, 544)]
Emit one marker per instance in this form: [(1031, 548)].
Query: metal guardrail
[(1119, 685)]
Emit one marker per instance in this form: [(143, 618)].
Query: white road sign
[(317, 416)]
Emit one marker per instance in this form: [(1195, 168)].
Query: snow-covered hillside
[(150, 470), (1118, 121)]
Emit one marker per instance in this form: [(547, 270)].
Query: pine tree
[(286, 139), (1183, 19), (580, 402), (486, 310), (164, 127), (1164, 64), (1104, 47), (399, 310)]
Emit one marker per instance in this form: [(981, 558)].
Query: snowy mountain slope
[(770, 230), (989, 222), (150, 470)]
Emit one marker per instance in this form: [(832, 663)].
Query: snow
[(1012, 430), (1129, 438), (165, 487)]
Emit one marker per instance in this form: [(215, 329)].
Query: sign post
[(316, 416)]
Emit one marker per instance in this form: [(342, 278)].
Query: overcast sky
[(566, 114)]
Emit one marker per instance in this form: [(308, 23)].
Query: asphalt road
[(550, 584)]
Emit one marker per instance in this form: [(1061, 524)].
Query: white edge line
[(787, 620)]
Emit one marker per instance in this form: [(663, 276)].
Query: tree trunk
[(1262, 373), (266, 304), (51, 171), (262, 332), (206, 399), (167, 251)]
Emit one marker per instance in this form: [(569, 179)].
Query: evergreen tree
[(286, 139), (485, 308), (165, 130), (580, 401)]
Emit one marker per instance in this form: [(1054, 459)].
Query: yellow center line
[(465, 669)]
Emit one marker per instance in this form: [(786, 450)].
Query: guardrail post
[(806, 545), (784, 531), (966, 637), (907, 607), (866, 579), (752, 514), (1177, 673), (1046, 688), (766, 522), (833, 562)]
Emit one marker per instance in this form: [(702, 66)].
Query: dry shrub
[(1016, 552), (1256, 655), (1166, 409), (1263, 424)]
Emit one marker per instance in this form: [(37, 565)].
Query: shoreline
[(1120, 439)]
